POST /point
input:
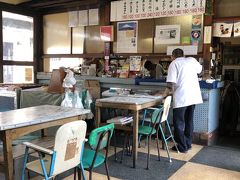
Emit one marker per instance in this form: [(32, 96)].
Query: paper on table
[(120, 120)]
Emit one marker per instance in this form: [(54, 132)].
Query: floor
[(205, 163), (219, 162)]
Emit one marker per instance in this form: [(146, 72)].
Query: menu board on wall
[(127, 37), (144, 9)]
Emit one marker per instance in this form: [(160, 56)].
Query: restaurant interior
[(83, 89)]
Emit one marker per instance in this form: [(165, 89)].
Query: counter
[(206, 115)]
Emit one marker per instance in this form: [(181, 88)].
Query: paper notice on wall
[(207, 34), (236, 29), (188, 50), (73, 19), (93, 16), (113, 14), (83, 18), (127, 37)]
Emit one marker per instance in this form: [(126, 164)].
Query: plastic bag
[(77, 101), (88, 102), (67, 101), (69, 80)]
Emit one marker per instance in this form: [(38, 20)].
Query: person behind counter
[(183, 82), (156, 70)]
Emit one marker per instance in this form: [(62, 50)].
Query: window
[(17, 47), (56, 63), (17, 74)]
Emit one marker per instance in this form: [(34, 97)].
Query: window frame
[(36, 43)]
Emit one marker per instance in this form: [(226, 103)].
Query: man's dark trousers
[(183, 126)]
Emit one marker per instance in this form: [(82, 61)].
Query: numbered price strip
[(145, 9)]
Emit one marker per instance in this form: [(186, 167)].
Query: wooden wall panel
[(93, 42), (57, 34)]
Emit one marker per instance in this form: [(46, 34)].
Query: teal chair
[(99, 139), (146, 120), (151, 129), (66, 154)]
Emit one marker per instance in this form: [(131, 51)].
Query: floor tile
[(193, 171), (174, 155), (226, 158)]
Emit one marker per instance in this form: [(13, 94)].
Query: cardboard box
[(94, 88)]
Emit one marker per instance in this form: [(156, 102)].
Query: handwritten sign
[(145, 9)]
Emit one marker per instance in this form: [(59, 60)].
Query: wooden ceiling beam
[(56, 3), (68, 5), (49, 3)]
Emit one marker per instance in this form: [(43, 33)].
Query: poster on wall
[(236, 29), (167, 34), (127, 37), (195, 37), (106, 33), (135, 63), (196, 22), (222, 29), (196, 29)]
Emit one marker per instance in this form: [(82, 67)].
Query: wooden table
[(16, 123), (133, 103)]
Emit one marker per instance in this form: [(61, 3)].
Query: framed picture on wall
[(167, 34)]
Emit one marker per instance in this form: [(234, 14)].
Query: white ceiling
[(13, 1)]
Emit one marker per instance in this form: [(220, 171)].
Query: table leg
[(98, 116), (135, 137), (8, 155)]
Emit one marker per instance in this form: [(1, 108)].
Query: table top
[(131, 99), (36, 115)]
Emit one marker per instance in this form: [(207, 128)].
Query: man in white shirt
[(182, 78)]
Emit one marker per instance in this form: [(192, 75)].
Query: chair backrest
[(100, 137), (69, 145), (155, 117), (166, 107)]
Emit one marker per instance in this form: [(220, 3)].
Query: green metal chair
[(166, 107), (99, 139), (146, 120), (150, 130)]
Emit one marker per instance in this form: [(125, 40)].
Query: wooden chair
[(66, 154)]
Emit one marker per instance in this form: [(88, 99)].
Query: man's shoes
[(175, 149)]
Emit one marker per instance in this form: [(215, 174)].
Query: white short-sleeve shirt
[(183, 73)]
